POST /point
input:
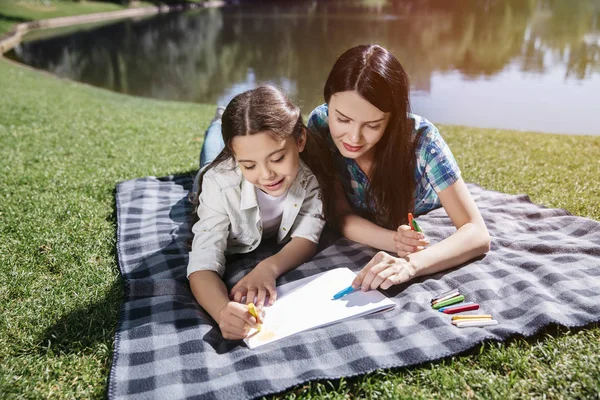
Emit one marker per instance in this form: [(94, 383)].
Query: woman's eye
[(280, 159), (249, 168), (376, 127), (342, 121)]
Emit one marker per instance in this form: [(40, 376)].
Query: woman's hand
[(384, 271), (257, 284), (409, 241), (235, 321)]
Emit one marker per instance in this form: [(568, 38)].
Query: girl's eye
[(280, 159), (374, 128), (342, 121), (248, 168)]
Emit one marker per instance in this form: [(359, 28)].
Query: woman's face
[(356, 125)]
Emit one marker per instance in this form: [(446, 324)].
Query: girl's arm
[(470, 240), (210, 292), (261, 281)]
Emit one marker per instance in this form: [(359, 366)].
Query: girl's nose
[(267, 173)]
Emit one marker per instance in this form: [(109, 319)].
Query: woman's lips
[(275, 185), (352, 149)]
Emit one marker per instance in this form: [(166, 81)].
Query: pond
[(516, 64)]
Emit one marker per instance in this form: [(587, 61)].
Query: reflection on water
[(522, 64)]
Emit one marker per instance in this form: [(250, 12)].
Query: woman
[(391, 163)]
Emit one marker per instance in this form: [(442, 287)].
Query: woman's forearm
[(469, 241), (366, 232), (210, 292)]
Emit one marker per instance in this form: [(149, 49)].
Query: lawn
[(14, 12), (63, 148)]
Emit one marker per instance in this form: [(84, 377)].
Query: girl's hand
[(235, 321), (384, 271), (409, 241), (257, 284)]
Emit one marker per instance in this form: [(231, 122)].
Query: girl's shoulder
[(224, 175)]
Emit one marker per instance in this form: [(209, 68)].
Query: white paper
[(308, 303)]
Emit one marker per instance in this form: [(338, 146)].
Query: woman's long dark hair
[(267, 109), (377, 76)]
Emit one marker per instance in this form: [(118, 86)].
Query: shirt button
[(432, 151), (295, 205), (283, 229)]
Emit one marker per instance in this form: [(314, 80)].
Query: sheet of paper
[(307, 304)]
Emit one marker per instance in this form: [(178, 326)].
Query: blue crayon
[(344, 292)]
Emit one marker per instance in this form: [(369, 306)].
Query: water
[(520, 64)]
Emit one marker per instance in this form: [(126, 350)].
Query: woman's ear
[(302, 141)]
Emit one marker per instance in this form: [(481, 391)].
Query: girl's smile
[(274, 186)]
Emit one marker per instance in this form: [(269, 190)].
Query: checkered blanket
[(544, 268)]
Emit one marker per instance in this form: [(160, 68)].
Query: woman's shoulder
[(319, 117), (423, 131)]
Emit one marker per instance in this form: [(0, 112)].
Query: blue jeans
[(213, 143), (212, 146)]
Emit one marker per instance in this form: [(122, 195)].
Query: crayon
[(410, 221), (458, 321), (343, 292), (448, 302), (416, 226), (451, 295), (460, 308), (472, 316), (476, 323), (252, 310), (446, 293)]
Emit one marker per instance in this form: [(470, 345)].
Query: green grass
[(16, 11), (64, 146)]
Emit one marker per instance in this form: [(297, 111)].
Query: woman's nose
[(355, 134)]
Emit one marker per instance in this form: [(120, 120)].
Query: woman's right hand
[(409, 241), (235, 321)]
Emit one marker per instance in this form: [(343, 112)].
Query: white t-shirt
[(271, 211)]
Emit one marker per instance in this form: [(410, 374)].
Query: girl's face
[(268, 163), (356, 125)]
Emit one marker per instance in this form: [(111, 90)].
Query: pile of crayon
[(451, 302)]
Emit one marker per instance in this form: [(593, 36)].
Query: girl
[(257, 186), (391, 162)]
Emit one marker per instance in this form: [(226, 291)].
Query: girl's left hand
[(384, 271), (259, 283)]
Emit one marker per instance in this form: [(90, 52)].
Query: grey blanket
[(544, 268)]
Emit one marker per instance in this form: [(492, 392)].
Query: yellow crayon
[(252, 310), (464, 317)]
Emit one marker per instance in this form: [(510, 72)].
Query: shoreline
[(11, 39)]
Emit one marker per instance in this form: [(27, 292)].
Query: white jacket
[(230, 218)]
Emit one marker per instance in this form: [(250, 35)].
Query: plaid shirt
[(436, 167)]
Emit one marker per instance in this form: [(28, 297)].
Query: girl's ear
[(301, 142)]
